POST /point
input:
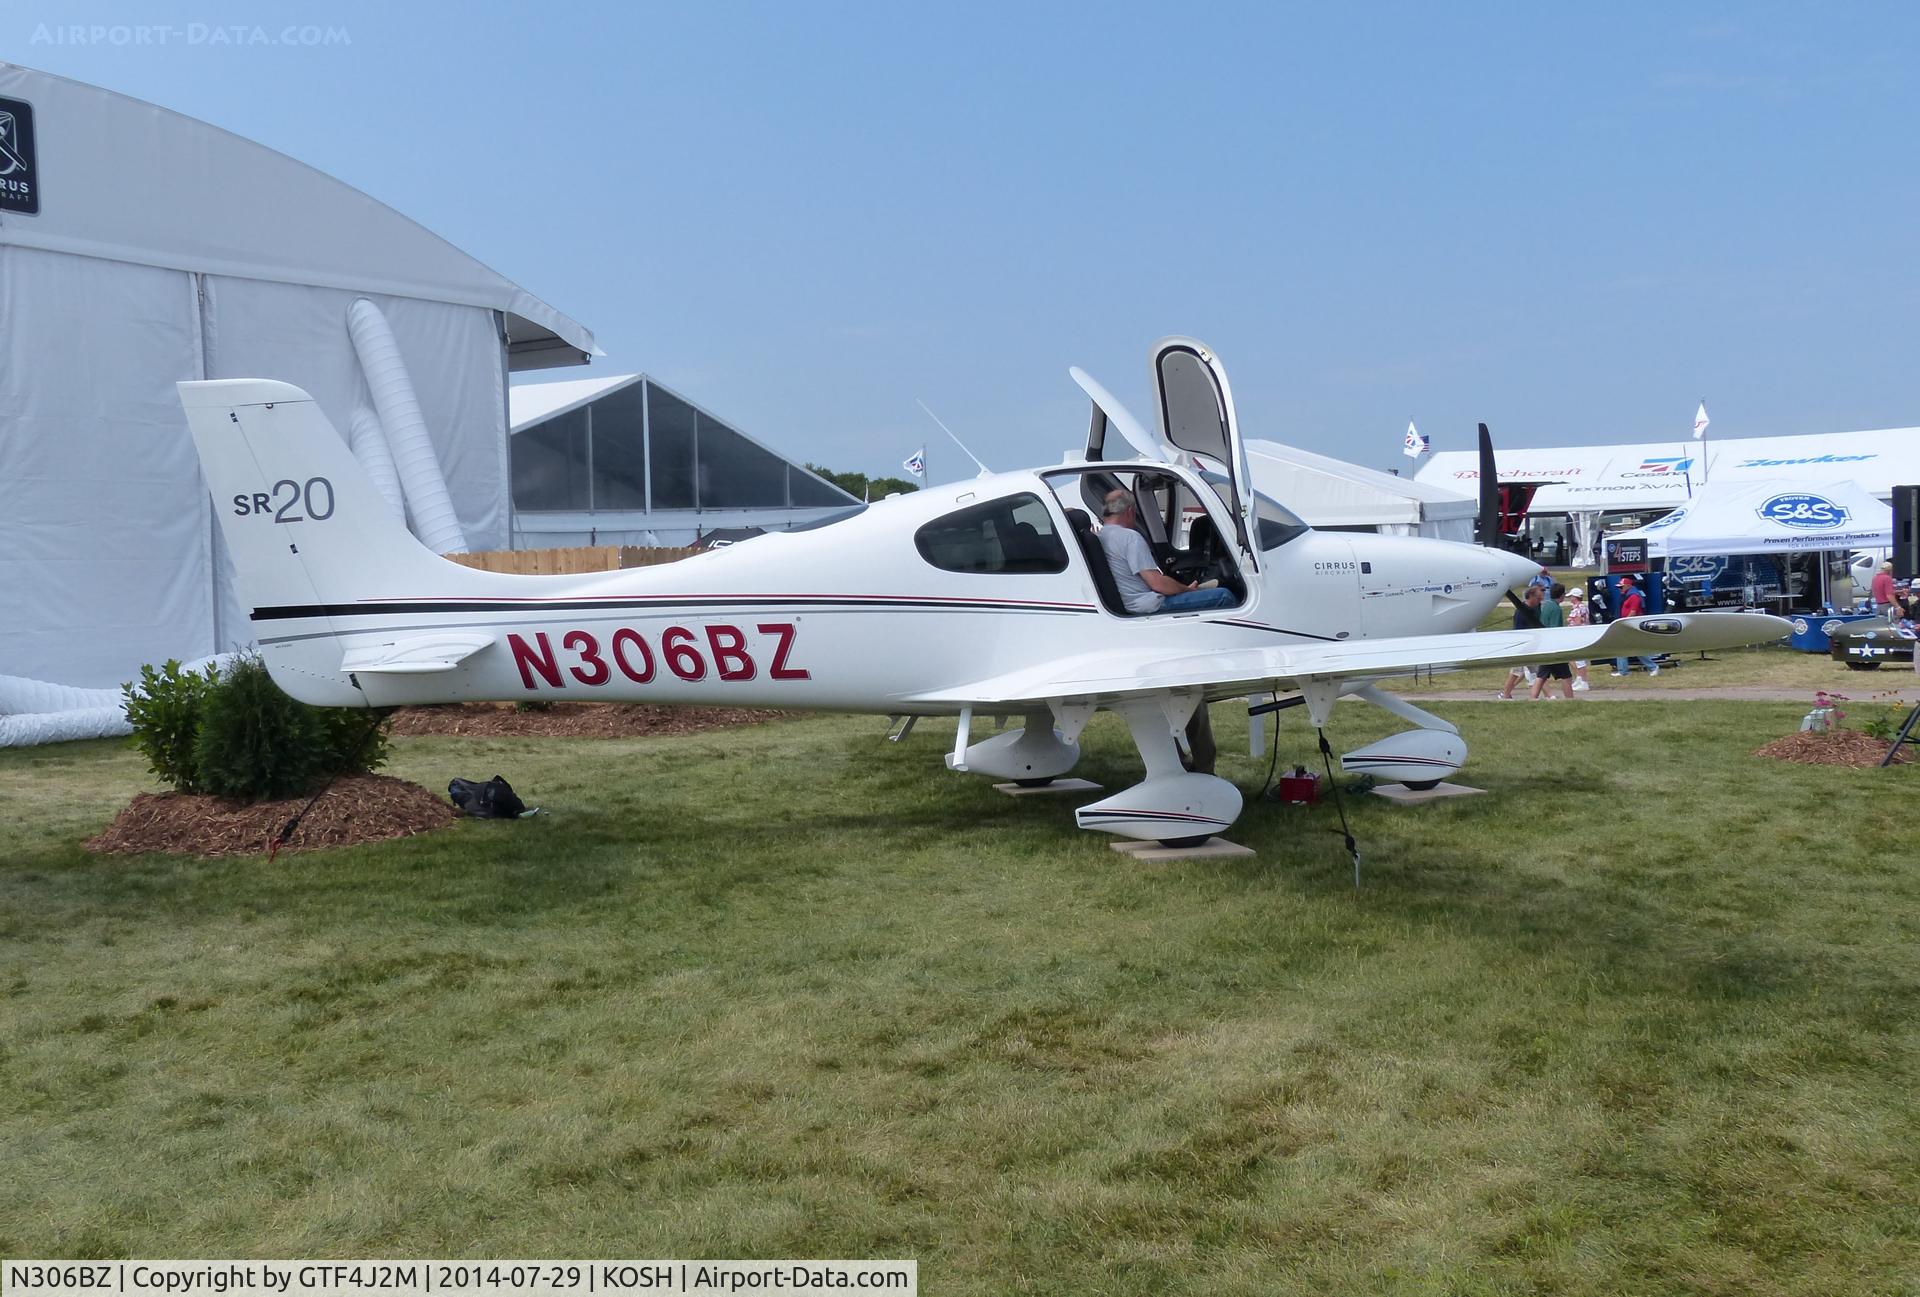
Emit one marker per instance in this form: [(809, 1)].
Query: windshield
[(1276, 523)]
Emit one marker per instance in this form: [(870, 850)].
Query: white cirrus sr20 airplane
[(986, 597)]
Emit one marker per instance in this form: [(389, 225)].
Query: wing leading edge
[(1120, 673)]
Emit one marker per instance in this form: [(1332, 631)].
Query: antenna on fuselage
[(984, 470)]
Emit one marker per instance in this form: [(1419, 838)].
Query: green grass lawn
[(1641, 1020)]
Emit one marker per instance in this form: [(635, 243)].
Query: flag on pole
[(1700, 420), (1415, 443), (917, 463)]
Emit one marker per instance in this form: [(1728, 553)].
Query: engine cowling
[(1417, 758)]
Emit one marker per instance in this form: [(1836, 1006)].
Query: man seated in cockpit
[(1144, 588)]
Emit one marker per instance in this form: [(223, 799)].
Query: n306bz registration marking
[(582, 655)]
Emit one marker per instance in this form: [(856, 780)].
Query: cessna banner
[(985, 597)]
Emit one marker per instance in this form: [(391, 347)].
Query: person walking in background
[(1575, 609), (1525, 617), (1552, 617), (1884, 601), (1632, 605)]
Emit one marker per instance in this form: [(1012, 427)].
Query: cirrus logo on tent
[(1667, 521), (1807, 512)]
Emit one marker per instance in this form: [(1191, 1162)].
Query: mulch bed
[(371, 808), (357, 808), (571, 720), (1834, 748)]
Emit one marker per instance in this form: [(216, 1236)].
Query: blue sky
[(1571, 222)]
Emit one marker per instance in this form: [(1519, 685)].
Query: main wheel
[(1863, 666), (1197, 841), (1034, 783), (1421, 785)]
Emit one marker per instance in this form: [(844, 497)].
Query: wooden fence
[(583, 558)]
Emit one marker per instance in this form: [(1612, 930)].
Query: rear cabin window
[(1013, 534)]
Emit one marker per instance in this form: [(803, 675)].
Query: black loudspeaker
[(1906, 532)]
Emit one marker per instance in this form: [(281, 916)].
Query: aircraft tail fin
[(301, 518)]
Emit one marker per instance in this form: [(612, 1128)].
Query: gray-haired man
[(1144, 588)]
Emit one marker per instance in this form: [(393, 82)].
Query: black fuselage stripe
[(286, 612)]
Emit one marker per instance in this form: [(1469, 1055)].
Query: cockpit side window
[(1013, 534)]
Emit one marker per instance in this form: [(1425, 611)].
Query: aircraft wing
[(1112, 675)]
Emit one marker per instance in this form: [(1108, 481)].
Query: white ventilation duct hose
[(426, 487), (369, 443), (19, 694), (36, 711)]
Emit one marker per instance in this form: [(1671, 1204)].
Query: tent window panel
[(808, 493), (671, 426), (735, 473), (619, 451), (550, 464)]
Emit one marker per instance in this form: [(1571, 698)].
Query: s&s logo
[(19, 174), (1806, 512)]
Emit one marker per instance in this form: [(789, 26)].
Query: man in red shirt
[(1881, 588), (1632, 605)]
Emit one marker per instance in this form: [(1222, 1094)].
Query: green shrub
[(356, 739), (165, 709), (235, 734), (254, 741)]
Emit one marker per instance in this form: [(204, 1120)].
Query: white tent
[(1666, 474), (1774, 516), (624, 460), (139, 247), (1328, 492)]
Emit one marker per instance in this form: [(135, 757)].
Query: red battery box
[(1299, 788)]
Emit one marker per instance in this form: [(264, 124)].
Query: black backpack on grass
[(493, 800)]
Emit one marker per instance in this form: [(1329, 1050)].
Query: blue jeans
[(1195, 600), (1620, 665)]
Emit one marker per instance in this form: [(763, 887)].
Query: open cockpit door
[(1110, 416), (1196, 416)]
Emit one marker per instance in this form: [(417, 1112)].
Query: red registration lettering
[(530, 659), (683, 658), (625, 639), (730, 653), (596, 671), (781, 671)]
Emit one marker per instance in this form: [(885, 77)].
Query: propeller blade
[(1488, 525)]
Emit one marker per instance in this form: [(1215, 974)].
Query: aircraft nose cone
[(1515, 569)]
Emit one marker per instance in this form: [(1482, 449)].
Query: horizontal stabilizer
[(413, 654)]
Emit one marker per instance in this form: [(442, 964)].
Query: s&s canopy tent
[(1770, 517)]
